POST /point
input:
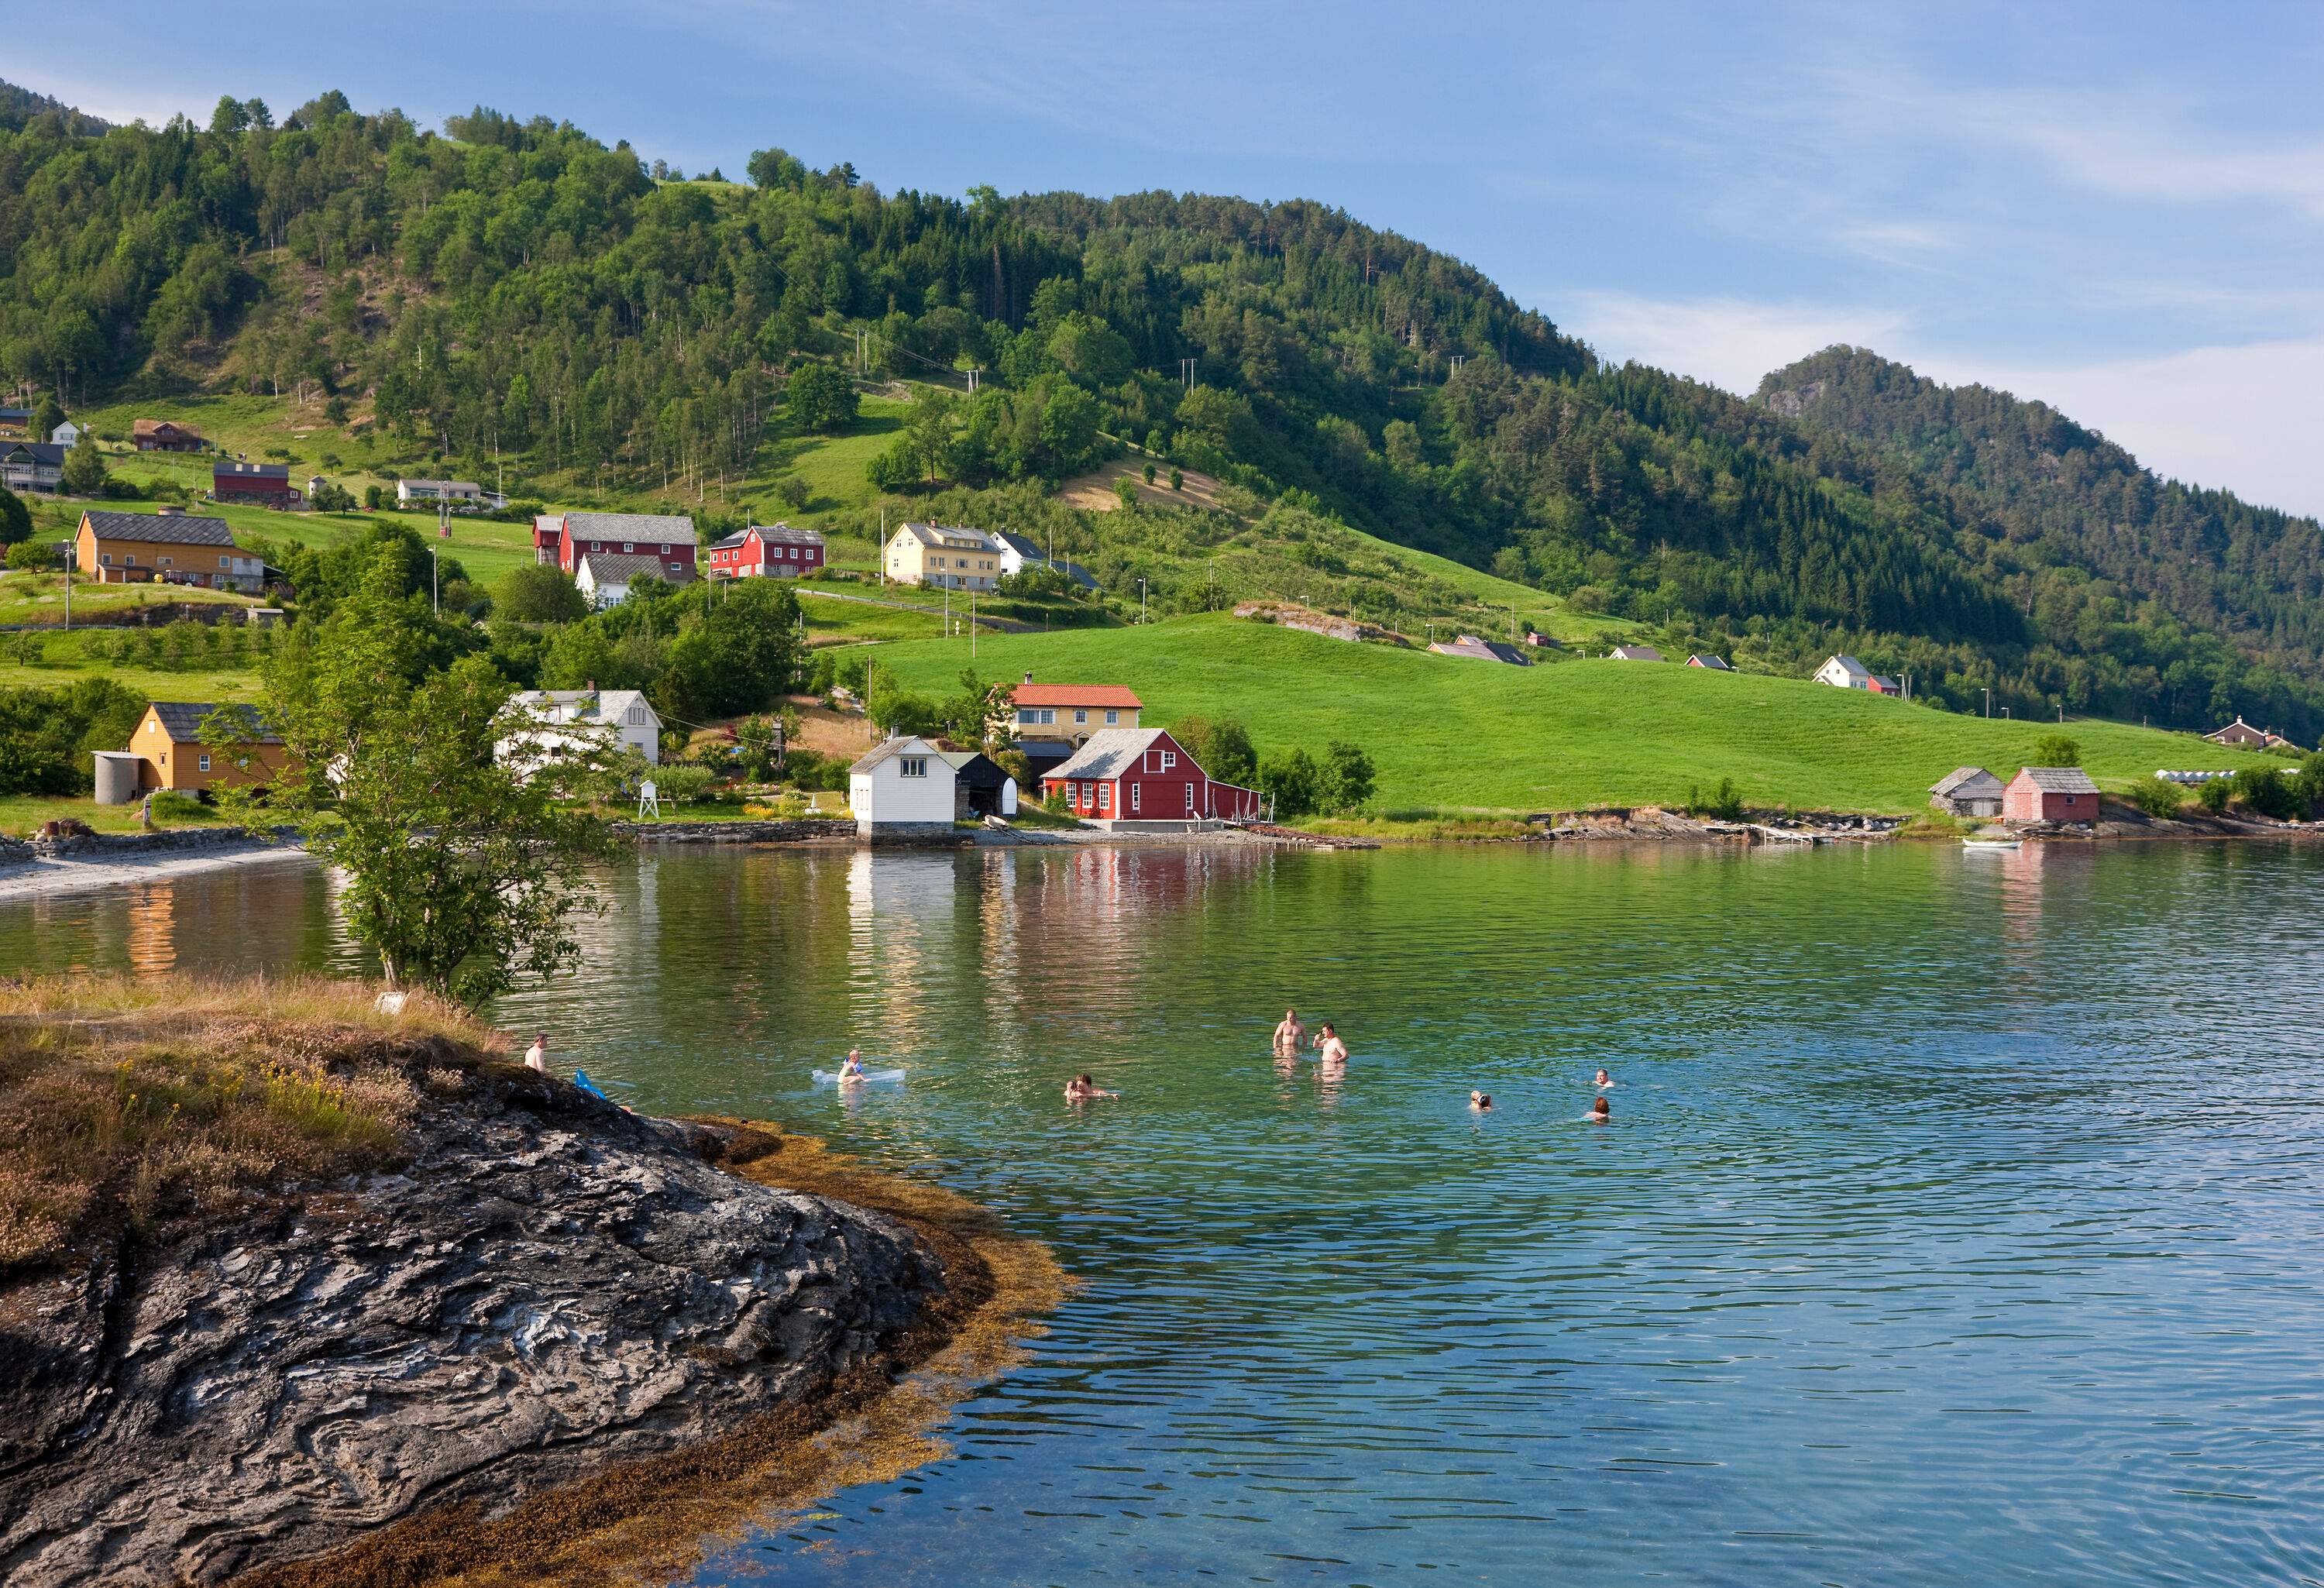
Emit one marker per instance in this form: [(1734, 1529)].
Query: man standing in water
[(1329, 1051), (1290, 1036)]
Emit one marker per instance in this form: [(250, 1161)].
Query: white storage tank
[(116, 777)]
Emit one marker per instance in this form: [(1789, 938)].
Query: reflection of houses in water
[(900, 928), (153, 936)]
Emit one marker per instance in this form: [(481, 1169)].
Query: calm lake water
[(1960, 1221)]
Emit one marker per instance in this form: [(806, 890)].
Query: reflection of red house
[(2050, 794), (1139, 775), (562, 539)]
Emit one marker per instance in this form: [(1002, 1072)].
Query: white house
[(904, 786), (464, 495), (569, 721), (1844, 672), (67, 434), (1634, 653), (605, 575)]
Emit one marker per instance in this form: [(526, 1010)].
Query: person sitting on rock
[(535, 1057)]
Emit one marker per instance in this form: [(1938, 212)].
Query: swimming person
[(535, 1057), (1290, 1036), (1329, 1049), (1604, 1080), (1481, 1101), (853, 1070), (1600, 1113), (1081, 1089)]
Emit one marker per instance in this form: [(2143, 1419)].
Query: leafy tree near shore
[(2156, 796), (1346, 780), (46, 735), (462, 874)]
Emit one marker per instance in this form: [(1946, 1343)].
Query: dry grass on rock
[(152, 1104)]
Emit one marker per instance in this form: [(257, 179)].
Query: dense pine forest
[(519, 291)]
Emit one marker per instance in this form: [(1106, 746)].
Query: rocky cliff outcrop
[(545, 1284)]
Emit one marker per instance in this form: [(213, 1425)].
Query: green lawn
[(1446, 731), (40, 598), (22, 813)]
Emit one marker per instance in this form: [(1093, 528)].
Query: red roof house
[(563, 539), (2050, 794), (1140, 776), (1070, 713)]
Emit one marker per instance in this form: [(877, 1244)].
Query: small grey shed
[(1969, 791)]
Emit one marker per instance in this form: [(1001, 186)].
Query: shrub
[(34, 557), (684, 784), (820, 397), (535, 593), (1347, 777), (792, 491), (1125, 491), (1724, 803), (2267, 791), (2056, 750), (1177, 480), (176, 805), (2213, 796), (2156, 796), (1292, 781), (1149, 472)]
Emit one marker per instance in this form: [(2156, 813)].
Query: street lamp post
[(435, 594), (1141, 601), (1989, 700)]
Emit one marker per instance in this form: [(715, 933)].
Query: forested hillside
[(519, 292)]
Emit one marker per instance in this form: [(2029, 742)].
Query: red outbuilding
[(767, 551), (562, 539), (262, 484), (1141, 775), (2050, 794)]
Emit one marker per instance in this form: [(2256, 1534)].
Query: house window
[(627, 546), (1190, 800), (1049, 714), (1105, 796), (106, 558), (1081, 717), (226, 562), (160, 562), (1026, 713), (1112, 718), (1169, 758), (1136, 789), (202, 762), (915, 766)]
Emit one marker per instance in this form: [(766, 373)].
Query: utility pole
[(972, 625), (1141, 600), (1988, 699), (435, 596)]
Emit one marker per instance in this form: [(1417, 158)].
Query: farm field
[(1446, 731)]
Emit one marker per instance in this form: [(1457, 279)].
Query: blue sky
[(2115, 208)]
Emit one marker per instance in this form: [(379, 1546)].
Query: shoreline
[(55, 876), (662, 1516)]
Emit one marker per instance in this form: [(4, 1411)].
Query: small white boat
[(1991, 843)]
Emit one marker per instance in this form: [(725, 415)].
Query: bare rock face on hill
[(548, 1283)]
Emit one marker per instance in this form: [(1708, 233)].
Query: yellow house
[(169, 741), (168, 546), (943, 555)]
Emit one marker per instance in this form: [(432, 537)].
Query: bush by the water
[(1724, 803), (47, 735), (2156, 796), (683, 783)]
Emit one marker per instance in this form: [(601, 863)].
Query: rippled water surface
[(1958, 1224)]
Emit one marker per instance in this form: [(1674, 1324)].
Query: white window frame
[(1080, 715), (912, 766), (1111, 718), (1136, 789), (1169, 758), (202, 761), (1190, 798), (1104, 798)]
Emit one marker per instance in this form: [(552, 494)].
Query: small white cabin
[(903, 786)]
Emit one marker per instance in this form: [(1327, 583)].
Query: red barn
[(262, 484), (767, 551), (2050, 794), (563, 539), (1139, 775)]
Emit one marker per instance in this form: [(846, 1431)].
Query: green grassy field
[(22, 813), (67, 658), (1445, 731), (40, 598)]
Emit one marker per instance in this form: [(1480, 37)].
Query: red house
[(562, 539), (767, 551), (262, 484), (2050, 794), (1141, 775)]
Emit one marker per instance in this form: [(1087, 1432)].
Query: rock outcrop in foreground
[(544, 1284)]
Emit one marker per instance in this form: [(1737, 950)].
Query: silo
[(116, 776)]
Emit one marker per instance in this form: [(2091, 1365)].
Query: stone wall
[(766, 832), (169, 840)]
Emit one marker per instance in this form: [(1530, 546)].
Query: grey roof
[(1108, 753), (41, 451), (948, 534), (2060, 779), (441, 484), (600, 706), (1717, 664), (1961, 777), (728, 542), (164, 529), (251, 471), (784, 535), (1076, 573), (14, 413), (182, 721), (889, 749), (1634, 653), (619, 567), (1020, 545), (630, 526), (975, 768), (1468, 645), (1852, 667)]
